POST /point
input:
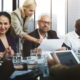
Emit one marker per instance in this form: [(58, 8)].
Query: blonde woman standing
[(20, 19)]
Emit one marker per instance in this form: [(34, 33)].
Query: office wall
[(73, 13), (58, 16)]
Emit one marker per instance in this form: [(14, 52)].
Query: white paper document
[(51, 44)]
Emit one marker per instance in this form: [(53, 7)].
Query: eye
[(5, 23), (31, 10), (0, 23)]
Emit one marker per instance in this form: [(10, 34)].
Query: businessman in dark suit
[(44, 24), (42, 32)]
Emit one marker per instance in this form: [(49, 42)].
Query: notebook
[(67, 57)]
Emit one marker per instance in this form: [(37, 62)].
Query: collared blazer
[(27, 45)]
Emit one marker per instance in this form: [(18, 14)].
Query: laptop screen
[(67, 58)]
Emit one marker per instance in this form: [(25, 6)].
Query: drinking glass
[(31, 62), (43, 66), (17, 58)]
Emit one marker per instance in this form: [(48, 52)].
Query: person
[(7, 46), (43, 32), (72, 38), (63, 72), (20, 19), (7, 50), (7, 41)]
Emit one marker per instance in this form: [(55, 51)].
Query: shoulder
[(16, 13), (10, 37), (35, 32), (70, 34), (52, 32)]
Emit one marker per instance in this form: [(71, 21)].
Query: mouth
[(2, 30)]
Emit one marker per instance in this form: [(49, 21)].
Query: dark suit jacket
[(27, 45)]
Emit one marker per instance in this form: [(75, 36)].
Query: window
[(0, 4), (21, 2), (7, 5), (58, 12), (43, 6)]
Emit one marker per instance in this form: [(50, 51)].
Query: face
[(29, 11), (44, 24), (4, 24), (78, 27)]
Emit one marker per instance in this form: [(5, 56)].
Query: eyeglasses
[(45, 22)]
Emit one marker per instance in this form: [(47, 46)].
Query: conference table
[(23, 68), (19, 71)]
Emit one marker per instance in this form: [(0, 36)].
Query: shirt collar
[(42, 37), (76, 35)]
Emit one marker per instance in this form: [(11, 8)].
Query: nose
[(46, 24), (2, 26)]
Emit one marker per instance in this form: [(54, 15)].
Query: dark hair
[(77, 24), (6, 14)]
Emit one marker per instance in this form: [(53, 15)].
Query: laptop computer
[(67, 57)]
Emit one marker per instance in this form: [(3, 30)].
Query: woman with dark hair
[(7, 42), (7, 50), (7, 46)]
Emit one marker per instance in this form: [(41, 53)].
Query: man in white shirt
[(72, 38)]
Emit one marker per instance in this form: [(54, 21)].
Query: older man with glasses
[(44, 24)]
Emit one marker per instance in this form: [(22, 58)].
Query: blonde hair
[(29, 3), (26, 4)]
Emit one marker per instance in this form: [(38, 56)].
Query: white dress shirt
[(46, 53), (43, 37), (72, 40)]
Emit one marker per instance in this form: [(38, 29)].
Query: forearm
[(30, 38)]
